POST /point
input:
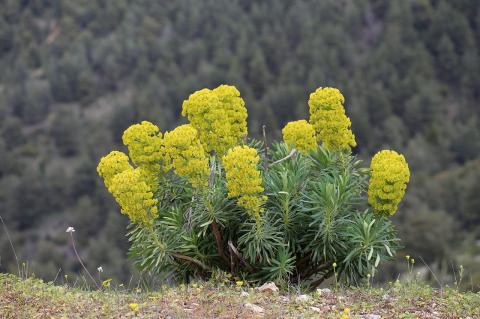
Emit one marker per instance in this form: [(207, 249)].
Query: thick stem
[(240, 257), (319, 281), (292, 152), (191, 259), (219, 242), (301, 262), (81, 263), (313, 270), (265, 148)]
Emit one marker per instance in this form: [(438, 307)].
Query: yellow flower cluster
[(144, 142), (327, 115), (129, 188), (112, 164), (243, 178), (185, 154), (134, 197), (388, 181), (219, 115), (300, 135)]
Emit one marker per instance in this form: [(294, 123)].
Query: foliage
[(284, 217), (76, 73)]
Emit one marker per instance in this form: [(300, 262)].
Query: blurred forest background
[(75, 73)]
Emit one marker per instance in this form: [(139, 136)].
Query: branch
[(192, 260), (265, 159), (219, 242), (292, 152), (313, 270), (319, 281), (239, 256)]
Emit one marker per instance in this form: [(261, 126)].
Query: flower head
[(388, 181), (134, 196), (70, 230), (106, 282), (185, 154), (112, 164), (100, 269), (219, 115), (300, 135), (327, 115), (144, 142), (243, 178), (133, 307)]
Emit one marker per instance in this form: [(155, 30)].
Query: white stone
[(268, 287), (244, 294), (303, 298), (254, 308), (324, 291), (315, 309)]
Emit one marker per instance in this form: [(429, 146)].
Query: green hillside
[(75, 74)]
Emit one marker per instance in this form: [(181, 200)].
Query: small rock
[(315, 309), (303, 298), (244, 294), (284, 299), (324, 291), (371, 316), (254, 308), (268, 287)]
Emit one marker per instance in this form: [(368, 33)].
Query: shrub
[(205, 197)]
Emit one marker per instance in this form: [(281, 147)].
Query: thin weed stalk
[(81, 262), (11, 244)]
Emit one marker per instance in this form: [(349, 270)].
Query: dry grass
[(32, 298)]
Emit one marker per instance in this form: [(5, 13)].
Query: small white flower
[(100, 269), (70, 230)]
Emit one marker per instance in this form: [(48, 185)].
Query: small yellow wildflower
[(388, 181), (334, 265), (243, 179), (412, 261), (133, 307), (327, 115), (106, 282), (239, 282), (300, 135), (407, 257), (185, 154)]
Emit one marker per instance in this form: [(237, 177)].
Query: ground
[(32, 298)]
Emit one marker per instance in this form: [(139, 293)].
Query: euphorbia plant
[(205, 197)]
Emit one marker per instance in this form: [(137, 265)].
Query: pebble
[(303, 298), (315, 309), (268, 287), (254, 308)]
